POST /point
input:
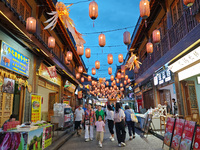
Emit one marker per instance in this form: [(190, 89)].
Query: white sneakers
[(119, 145), (123, 144), (100, 145), (87, 140), (112, 139)]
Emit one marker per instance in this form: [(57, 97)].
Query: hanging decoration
[(80, 50), (136, 70), (93, 83), (127, 38), (87, 53), (125, 82), (62, 12), (188, 3), (93, 10), (66, 61), (133, 62), (109, 70), (104, 79), (69, 56), (121, 84), (111, 77), (93, 71), (89, 78), (119, 75), (123, 68), (80, 69), (126, 77), (156, 36), (149, 48), (78, 75), (129, 80), (102, 40), (122, 75), (110, 59), (79, 94), (82, 79), (117, 80), (120, 58), (31, 25), (144, 10), (51, 42), (97, 64)]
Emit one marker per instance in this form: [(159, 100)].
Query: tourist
[(89, 123), (175, 107), (168, 108), (129, 122), (101, 113), (119, 119), (78, 117), (84, 108), (100, 129), (96, 108), (110, 119)]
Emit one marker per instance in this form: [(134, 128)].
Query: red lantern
[(69, 56), (188, 3), (107, 83), (114, 82), (149, 47), (78, 75), (102, 40), (93, 71), (87, 53), (115, 87), (119, 75), (93, 83), (156, 36), (109, 70), (31, 25), (97, 64), (120, 58), (80, 69), (80, 50), (129, 80), (89, 78), (51, 42), (126, 76), (82, 79), (125, 82), (122, 75), (117, 80), (93, 10), (122, 89), (111, 77), (110, 59), (122, 68), (144, 9), (104, 79), (79, 94), (66, 61), (127, 38), (121, 84)]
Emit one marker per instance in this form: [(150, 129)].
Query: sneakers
[(87, 140), (133, 136), (100, 145), (112, 139), (119, 145), (123, 144), (130, 138), (91, 139)]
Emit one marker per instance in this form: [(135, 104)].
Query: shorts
[(100, 136), (77, 124)]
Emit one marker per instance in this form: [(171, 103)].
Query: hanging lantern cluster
[(31, 25), (156, 36), (102, 40), (93, 71), (120, 58), (97, 64), (129, 80), (126, 77), (110, 59), (107, 83), (127, 38), (117, 80), (123, 68), (125, 82), (109, 70), (87, 53), (80, 50), (51, 42)]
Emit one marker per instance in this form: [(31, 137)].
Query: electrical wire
[(78, 2)]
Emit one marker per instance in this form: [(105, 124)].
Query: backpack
[(117, 117)]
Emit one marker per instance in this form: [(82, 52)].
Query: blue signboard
[(13, 60)]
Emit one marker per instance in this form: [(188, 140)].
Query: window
[(176, 10), (57, 50), (163, 26)]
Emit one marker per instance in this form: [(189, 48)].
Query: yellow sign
[(35, 108), (66, 102)]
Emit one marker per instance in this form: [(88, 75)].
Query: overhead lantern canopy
[(31, 25), (149, 47), (97, 64), (144, 10), (82, 79), (89, 78), (104, 79), (78, 75), (111, 77), (66, 61), (93, 71), (109, 70), (127, 38), (114, 82), (93, 10), (156, 36), (93, 83), (110, 59), (80, 50), (51, 42), (120, 58), (102, 40), (87, 53), (80, 69)]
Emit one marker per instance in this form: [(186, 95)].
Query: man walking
[(101, 113), (79, 117)]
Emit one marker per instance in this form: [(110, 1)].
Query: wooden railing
[(182, 27)]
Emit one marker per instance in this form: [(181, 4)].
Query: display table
[(37, 139)]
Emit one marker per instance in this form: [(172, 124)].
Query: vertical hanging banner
[(169, 130), (178, 130), (196, 145), (35, 108), (187, 136)]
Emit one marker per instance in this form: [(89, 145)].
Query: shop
[(49, 90), (15, 79), (188, 75)]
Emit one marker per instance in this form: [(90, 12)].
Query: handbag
[(133, 117)]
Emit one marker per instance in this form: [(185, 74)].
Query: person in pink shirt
[(100, 129)]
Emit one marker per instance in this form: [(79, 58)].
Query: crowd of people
[(90, 119)]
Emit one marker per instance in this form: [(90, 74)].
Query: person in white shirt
[(79, 117), (110, 119)]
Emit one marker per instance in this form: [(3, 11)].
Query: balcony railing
[(182, 27)]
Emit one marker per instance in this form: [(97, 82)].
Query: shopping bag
[(133, 117)]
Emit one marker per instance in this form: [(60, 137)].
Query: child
[(100, 127)]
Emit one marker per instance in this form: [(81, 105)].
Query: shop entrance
[(53, 98), (165, 95), (148, 99)]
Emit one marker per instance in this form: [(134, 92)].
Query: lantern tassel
[(93, 23), (145, 23), (190, 11), (150, 56), (102, 49), (157, 48)]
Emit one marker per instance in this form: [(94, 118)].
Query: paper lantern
[(109, 70), (69, 56), (31, 25), (117, 80), (79, 94), (107, 83), (129, 80), (102, 40), (125, 82), (122, 89), (87, 53), (119, 75), (97, 64), (115, 87), (120, 58), (80, 50), (121, 84), (51, 42), (93, 10), (122, 68), (156, 36), (82, 79), (66, 61), (188, 3), (93, 71), (144, 9), (122, 75), (104, 79), (149, 47), (136, 70), (127, 38), (114, 82), (93, 83), (126, 76), (89, 78), (78, 75), (110, 59), (80, 69), (111, 77)]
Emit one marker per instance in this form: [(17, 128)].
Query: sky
[(112, 14)]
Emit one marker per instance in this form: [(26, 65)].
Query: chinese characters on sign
[(169, 130), (52, 71), (197, 140), (162, 77), (13, 60), (36, 108)]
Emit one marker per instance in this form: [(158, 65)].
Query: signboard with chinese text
[(47, 137), (36, 108), (52, 71), (169, 130), (196, 145), (13, 60), (162, 77), (187, 136)]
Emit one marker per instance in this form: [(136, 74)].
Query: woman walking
[(129, 122), (119, 119), (110, 119)]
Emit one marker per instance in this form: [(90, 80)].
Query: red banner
[(196, 145), (52, 71), (139, 104), (178, 130), (169, 130), (188, 133)]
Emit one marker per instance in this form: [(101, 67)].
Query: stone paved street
[(139, 143)]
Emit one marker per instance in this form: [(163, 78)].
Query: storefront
[(139, 99), (187, 68), (49, 90), (15, 79)]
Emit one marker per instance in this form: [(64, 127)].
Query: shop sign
[(36, 108), (52, 71), (197, 140), (169, 130), (35, 138), (137, 90), (178, 130), (188, 132), (47, 137), (13, 60), (162, 77), (66, 102), (69, 86), (139, 104)]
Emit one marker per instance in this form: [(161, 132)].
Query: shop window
[(176, 10)]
